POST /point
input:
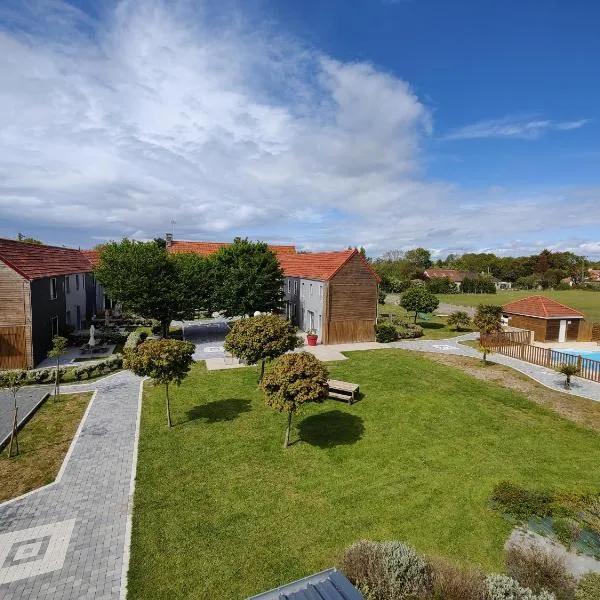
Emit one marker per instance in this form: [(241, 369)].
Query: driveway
[(208, 336), (27, 400)]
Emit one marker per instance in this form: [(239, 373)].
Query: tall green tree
[(12, 382), (419, 300), (59, 347), (164, 361), (292, 381), (261, 338), (420, 258), (248, 278), (152, 283)]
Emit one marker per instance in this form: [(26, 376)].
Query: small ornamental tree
[(488, 318), (568, 370), (13, 381), (419, 299), (164, 361), (264, 337), (59, 347), (485, 350), (459, 320), (293, 380)]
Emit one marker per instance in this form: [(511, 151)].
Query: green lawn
[(585, 301), (223, 511), (434, 328)]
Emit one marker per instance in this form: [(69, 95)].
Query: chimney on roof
[(169, 238)]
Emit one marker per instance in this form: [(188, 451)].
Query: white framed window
[(76, 282), (53, 288), (54, 325), (321, 292), (289, 285), (296, 286), (68, 284)]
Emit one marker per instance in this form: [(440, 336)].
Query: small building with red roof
[(550, 320), (44, 291)]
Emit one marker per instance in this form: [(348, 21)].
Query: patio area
[(74, 356)]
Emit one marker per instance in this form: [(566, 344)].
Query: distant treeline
[(546, 269)]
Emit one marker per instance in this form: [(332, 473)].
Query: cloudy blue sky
[(459, 126)]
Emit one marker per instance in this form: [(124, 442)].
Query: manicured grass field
[(434, 328), (223, 511), (585, 301), (43, 444)]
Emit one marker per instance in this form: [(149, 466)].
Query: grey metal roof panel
[(326, 585)]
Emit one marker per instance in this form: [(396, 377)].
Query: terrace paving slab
[(70, 539)]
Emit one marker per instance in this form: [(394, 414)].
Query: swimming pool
[(582, 353)]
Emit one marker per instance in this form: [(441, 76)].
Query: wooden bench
[(342, 390)]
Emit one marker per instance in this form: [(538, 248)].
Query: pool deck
[(584, 346)]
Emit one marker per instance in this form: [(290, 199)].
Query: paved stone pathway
[(27, 399), (548, 377), (69, 540), (208, 336)]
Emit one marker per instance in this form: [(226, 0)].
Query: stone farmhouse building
[(334, 293)]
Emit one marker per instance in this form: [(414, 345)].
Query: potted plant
[(311, 337)]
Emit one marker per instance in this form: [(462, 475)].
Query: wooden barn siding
[(538, 326), (15, 319), (589, 332), (351, 305)]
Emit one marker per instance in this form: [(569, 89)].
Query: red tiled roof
[(92, 256), (595, 274), (207, 248), (542, 308), (319, 265), (34, 261), (456, 276)]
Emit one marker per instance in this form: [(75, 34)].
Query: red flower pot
[(312, 340)]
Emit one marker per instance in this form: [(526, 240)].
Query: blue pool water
[(584, 354)]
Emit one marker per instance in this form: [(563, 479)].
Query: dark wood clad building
[(549, 320)]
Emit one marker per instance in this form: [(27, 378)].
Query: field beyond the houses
[(586, 302), (223, 511)]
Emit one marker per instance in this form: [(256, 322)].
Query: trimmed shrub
[(501, 587), (520, 502), (134, 339), (408, 331), (589, 587), (452, 582), (442, 285), (539, 570), (388, 570), (381, 295), (386, 332)]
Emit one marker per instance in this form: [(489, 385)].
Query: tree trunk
[(168, 405), (416, 313), (286, 442), (165, 328), (568, 382), (14, 440), (485, 358), (57, 380), (261, 371)]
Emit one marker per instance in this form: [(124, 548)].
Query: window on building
[(83, 281), (76, 282), (53, 288), (78, 324), (54, 325), (296, 286), (321, 292), (289, 285), (68, 284)]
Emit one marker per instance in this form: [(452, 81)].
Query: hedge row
[(387, 332)]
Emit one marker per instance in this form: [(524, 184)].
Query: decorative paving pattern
[(70, 540)]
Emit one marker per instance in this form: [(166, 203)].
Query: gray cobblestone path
[(68, 541)]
